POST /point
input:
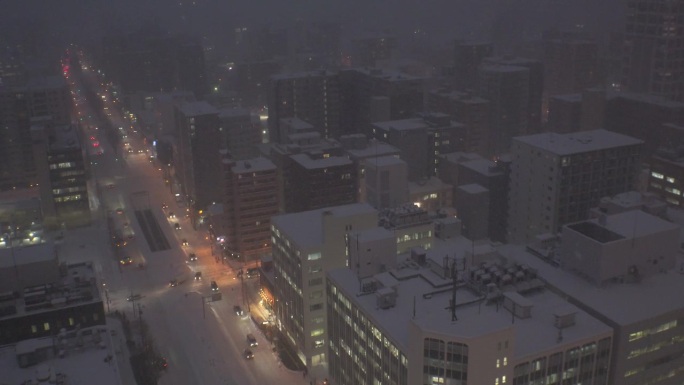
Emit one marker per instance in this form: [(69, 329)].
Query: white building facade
[(305, 246)]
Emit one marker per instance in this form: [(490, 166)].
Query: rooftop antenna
[(414, 307)]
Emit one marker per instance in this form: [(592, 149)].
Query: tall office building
[(35, 119), (310, 96), (654, 46), (644, 117), (250, 200), (307, 245), (67, 177), (375, 95), (507, 89), (161, 62), (535, 87), (197, 154), (468, 56), (570, 65), (556, 178), (372, 51)]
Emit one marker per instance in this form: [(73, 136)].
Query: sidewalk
[(123, 356)]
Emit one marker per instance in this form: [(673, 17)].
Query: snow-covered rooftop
[(385, 161), (198, 108), (227, 113), (87, 364), (374, 149), (304, 228), (253, 165), (308, 162), (502, 68), (65, 137), (426, 185), (430, 292), (460, 157), (473, 188), (304, 74), (39, 252), (402, 125), (483, 166), (623, 303), (75, 288), (575, 143)]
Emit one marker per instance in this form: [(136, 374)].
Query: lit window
[(505, 362), (46, 326), (34, 329), (657, 175), (313, 256), (317, 332), (498, 362), (670, 179), (503, 379)]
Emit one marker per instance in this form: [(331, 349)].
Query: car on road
[(198, 276), (248, 354), (214, 286), (126, 260), (174, 282), (164, 206), (133, 297), (238, 310), (119, 211), (184, 242), (252, 272), (177, 226), (163, 363), (172, 215), (192, 257), (251, 340)]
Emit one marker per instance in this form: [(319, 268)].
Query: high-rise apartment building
[(310, 96), (654, 46), (306, 246), (557, 178), (468, 109), (494, 176), (250, 200), (240, 131), (198, 161), (386, 182), (570, 64), (507, 89), (421, 140)]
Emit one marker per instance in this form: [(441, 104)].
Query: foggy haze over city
[(342, 192), (441, 20)]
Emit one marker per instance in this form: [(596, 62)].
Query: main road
[(203, 340)]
